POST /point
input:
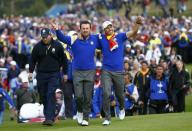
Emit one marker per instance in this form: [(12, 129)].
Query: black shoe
[(48, 123)]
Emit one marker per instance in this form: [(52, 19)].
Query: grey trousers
[(83, 86), (109, 78)]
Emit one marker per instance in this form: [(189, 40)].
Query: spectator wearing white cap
[(12, 75), (60, 104), (112, 70)]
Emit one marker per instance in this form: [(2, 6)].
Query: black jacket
[(48, 58), (179, 80)]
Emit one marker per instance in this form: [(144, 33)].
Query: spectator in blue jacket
[(131, 95), (157, 92)]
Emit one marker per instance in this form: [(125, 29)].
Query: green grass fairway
[(165, 122)]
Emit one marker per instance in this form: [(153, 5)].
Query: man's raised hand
[(54, 26)]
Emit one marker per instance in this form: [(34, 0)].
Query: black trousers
[(157, 106), (68, 90), (47, 83), (179, 101)]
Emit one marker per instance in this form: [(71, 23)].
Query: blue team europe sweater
[(83, 50), (113, 60)]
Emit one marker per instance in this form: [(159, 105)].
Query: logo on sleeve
[(53, 50)]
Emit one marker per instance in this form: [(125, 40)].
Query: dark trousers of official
[(107, 79), (178, 100), (143, 110), (47, 83), (68, 90), (83, 86)]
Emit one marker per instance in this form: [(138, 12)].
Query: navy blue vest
[(158, 89)]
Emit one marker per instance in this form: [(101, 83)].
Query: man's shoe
[(85, 123), (122, 114), (106, 122), (48, 123), (79, 117)]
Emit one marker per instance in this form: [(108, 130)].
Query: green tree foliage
[(27, 7)]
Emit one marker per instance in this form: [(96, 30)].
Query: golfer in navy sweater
[(113, 49), (83, 48)]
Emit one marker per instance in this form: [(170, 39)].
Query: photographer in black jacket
[(179, 84), (48, 57)]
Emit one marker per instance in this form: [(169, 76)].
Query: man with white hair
[(25, 73), (112, 70)]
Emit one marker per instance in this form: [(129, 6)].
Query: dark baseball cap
[(45, 32)]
